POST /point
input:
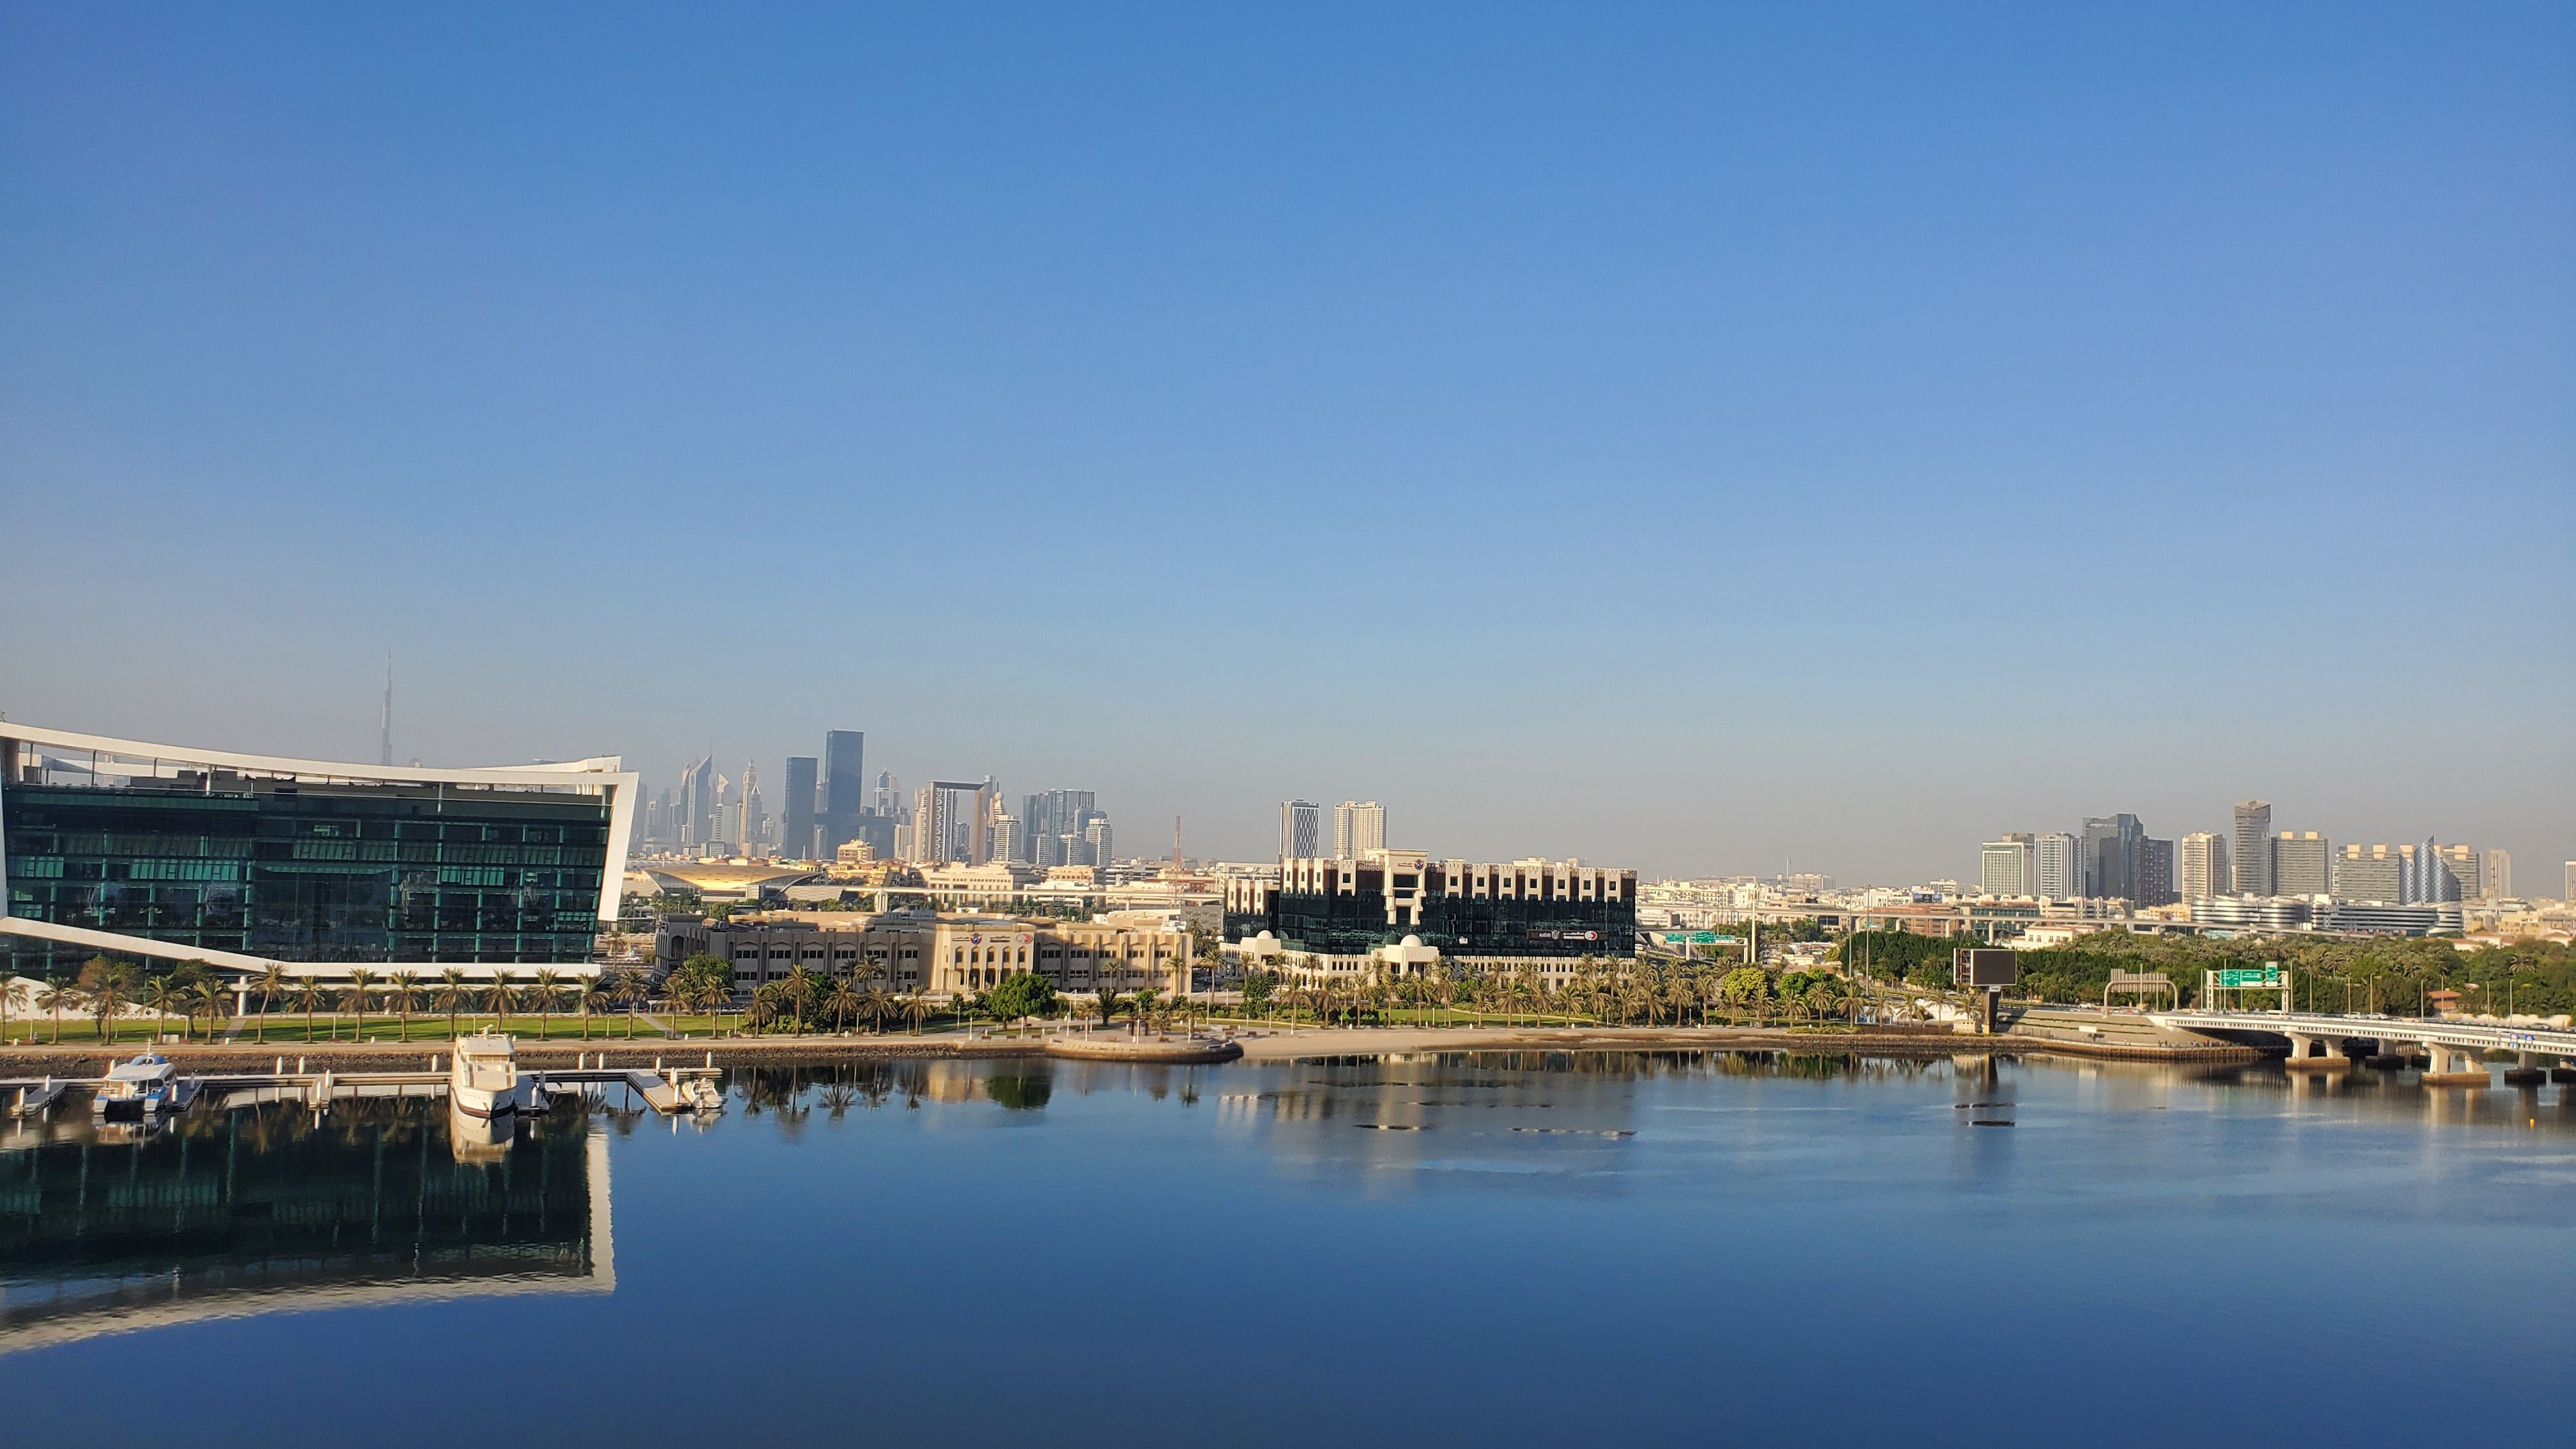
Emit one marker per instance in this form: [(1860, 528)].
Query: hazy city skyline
[(1614, 444)]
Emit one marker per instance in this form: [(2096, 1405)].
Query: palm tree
[(630, 991), (55, 995), (844, 1001), (548, 991), (272, 984), (309, 996), (107, 985), (8, 989), (800, 990), (498, 997), (876, 1004), (916, 1006), (362, 985), (454, 993), (589, 992), (402, 993), (164, 996), (208, 997), (764, 1007)]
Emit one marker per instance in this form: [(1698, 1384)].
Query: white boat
[(142, 1089), (483, 1082)]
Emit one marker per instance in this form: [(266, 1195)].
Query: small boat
[(703, 1095), (141, 1089), (483, 1082)]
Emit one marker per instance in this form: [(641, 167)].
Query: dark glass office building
[(1523, 909), (296, 862)]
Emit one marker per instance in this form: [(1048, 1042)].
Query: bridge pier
[(2310, 1053), (2455, 1067), (2526, 1071)]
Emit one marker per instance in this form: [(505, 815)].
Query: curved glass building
[(134, 849)]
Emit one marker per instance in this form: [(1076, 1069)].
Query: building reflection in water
[(270, 1210)]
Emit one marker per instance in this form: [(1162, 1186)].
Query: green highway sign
[(2249, 976)]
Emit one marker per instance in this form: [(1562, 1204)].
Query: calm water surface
[(1678, 1248)]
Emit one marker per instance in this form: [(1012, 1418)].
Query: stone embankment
[(2067, 1033)]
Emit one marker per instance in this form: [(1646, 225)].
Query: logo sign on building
[(1982, 966), (2235, 976)]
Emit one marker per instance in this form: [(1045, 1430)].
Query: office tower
[(1071, 849), (2204, 866), (1056, 812), (2057, 866), (2302, 864), (844, 786), (751, 826), (2111, 856), (697, 805), (2155, 872), (2432, 877), (1007, 844), (1358, 826), (2371, 873), (796, 833), (2465, 867), (1301, 823), (657, 814), (889, 795), (2254, 848), (2499, 875), (2004, 865), (1095, 834)]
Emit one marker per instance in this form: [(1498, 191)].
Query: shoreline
[(1272, 1045)]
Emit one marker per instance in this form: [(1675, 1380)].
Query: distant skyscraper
[(1096, 835), (2004, 865), (1007, 844), (2155, 884), (1301, 826), (2204, 867), (751, 826), (2567, 891), (889, 794), (2372, 873), (2499, 875), (2254, 848), (797, 810), (697, 804), (2057, 866), (845, 785), (2302, 864), (1358, 826), (2431, 878), (2111, 856)]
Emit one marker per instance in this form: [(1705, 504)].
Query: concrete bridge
[(2321, 1040)]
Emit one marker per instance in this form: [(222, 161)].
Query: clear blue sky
[(1684, 437)]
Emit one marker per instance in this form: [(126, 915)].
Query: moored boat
[(140, 1089), (483, 1082)]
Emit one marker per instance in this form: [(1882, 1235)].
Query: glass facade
[(305, 871), (1336, 923)]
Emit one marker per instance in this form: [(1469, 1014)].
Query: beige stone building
[(940, 954)]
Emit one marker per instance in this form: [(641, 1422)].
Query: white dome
[(1411, 941)]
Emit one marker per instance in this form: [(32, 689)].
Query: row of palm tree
[(1603, 990)]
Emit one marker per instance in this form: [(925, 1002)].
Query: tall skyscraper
[(2254, 848), (845, 784), (1358, 826), (2155, 873), (2111, 856), (1096, 835), (751, 825), (1007, 844), (2057, 866), (797, 811), (889, 795), (2302, 864), (697, 805), (2004, 865), (1301, 826), (2499, 875), (2204, 867)]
